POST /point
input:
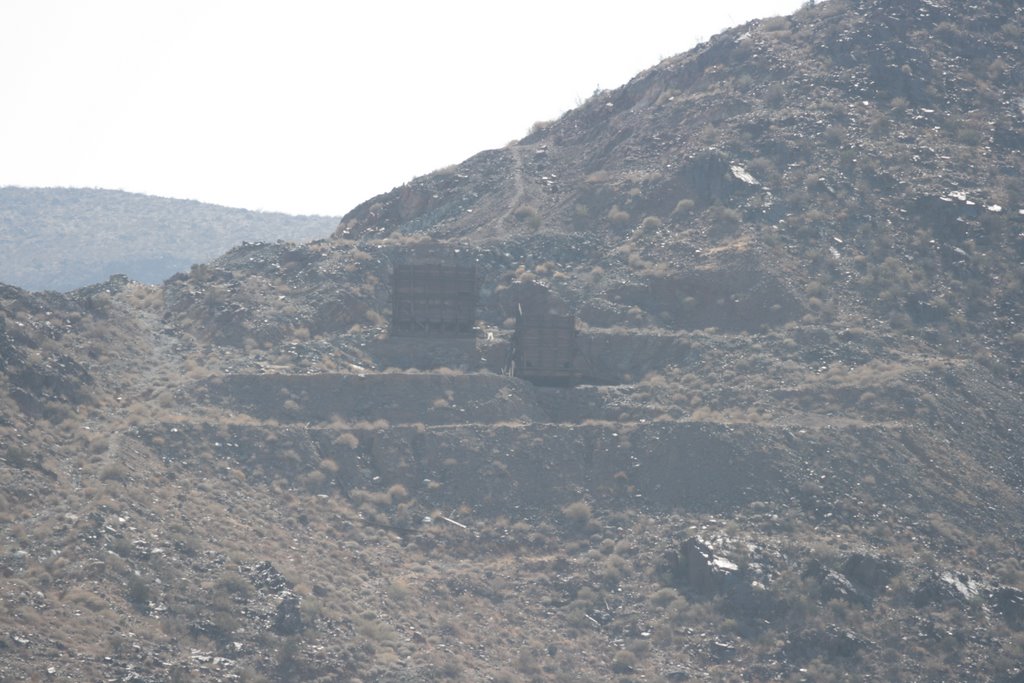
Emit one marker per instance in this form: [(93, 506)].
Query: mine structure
[(544, 348), (433, 298)]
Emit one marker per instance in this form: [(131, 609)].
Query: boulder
[(835, 585), (872, 573), (288, 617), (833, 641), (946, 588), (1009, 602), (694, 565)]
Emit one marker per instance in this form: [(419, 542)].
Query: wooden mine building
[(544, 348), (433, 299)]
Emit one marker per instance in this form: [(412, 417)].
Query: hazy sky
[(308, 106)]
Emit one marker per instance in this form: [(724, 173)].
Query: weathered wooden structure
[(433, 299), (544, 348)]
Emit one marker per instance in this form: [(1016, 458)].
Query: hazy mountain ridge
[(64, 238), (800, 458)]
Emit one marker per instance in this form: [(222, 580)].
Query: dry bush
[(114, 472), (618, 217), (374, 498), (664, 597), (723, 216), (651, 223), (624, 662), (528, 214), (578, 513)]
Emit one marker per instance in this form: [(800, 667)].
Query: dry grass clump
[(578, 513), (618, 217)]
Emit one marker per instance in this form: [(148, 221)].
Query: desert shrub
[(529, 215), (85, 598), (347, 439), (539, 127), (684, 207), (899, 103), (774, 95), (578, 513), (775, 24), (970, 136), (233, 584), (651, 223), (679, 611), (723, 214), (372, 498), (367, 626), (664, 597), (114, 472), (724, 218), (314, 481), (613, 570), (399, 590), (17, 456), (139, 591), (617, 216), (624, 662)]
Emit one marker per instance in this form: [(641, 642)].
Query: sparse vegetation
[(791, 450)]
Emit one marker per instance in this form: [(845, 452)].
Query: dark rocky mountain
[(64, 238), (794, 452)]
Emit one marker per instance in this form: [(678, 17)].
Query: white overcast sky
[(308, 106)]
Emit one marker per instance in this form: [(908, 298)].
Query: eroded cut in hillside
[(729, 299)]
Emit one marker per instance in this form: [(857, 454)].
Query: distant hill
[(65, 238)]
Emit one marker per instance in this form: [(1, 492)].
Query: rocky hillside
[(795, 452), (64, 238), (867, 154)]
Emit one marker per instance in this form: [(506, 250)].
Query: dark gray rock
[(1009, 602), (946, 588), (872, 573), (835, 585), (833, 641), (695, 566), (266, 578), (288, 617)]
